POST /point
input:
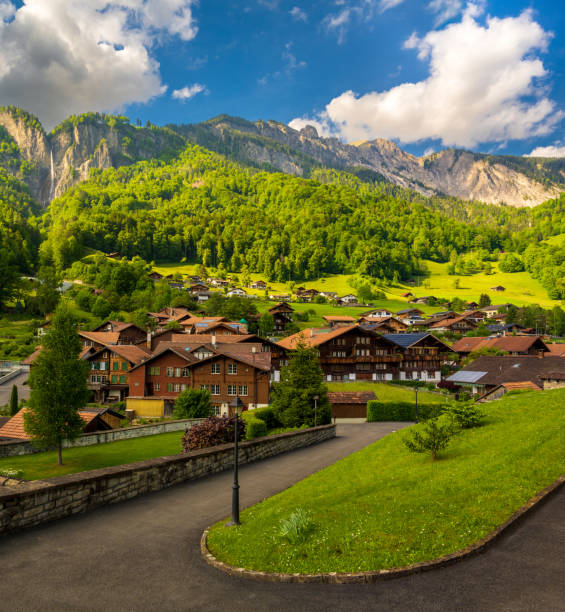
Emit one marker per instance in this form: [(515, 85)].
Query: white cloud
[(385, 5), (551, 151), (482, 86), (321, 124), (291, 64), (298, 14), (352, 12), (445, 9), (7, 10), (187, 92), (60, 57)]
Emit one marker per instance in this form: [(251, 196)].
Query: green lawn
[(44, 465), (388, 393), (384, 507)]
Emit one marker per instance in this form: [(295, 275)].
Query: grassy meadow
[(385, 507)]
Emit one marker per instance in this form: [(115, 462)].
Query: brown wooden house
[(282, 315)]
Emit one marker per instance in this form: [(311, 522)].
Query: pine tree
[(14, 400), (293, 397), (58, 386)]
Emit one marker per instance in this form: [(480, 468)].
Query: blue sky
[(484, 75)]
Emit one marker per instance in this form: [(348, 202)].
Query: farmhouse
[(259, 284), (515, 345), (339, 320), (282, 316)]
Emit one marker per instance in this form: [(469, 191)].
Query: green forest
[(200, 207)]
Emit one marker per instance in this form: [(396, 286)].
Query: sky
[(484, 75)]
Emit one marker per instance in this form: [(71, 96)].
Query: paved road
[(144, 555), (6, 389)]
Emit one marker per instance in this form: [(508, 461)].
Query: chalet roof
[(528, 384), (490, 370), (134, 353), (410, 340), (106, 338), (281, 306), (179, 351), (453, 321), (338, 318), (512, 344), (554, 375), (116, 326), (316, 336), (351, 397), (14, 428), (408, 311), (556, 349)]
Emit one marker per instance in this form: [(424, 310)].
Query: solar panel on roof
[(466, 376)]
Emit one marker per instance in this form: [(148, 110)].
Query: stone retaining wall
[(41, 501), (23, 447)]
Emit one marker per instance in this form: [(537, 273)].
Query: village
[(137, 374)]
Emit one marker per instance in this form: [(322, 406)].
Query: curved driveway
[(144, 555)]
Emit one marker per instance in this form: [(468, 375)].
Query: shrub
[(254, 427), (297, 527), (465, 414), (192, 404), (431, 437), (268, 416), (213, 431), (10, 473), (401, 411)]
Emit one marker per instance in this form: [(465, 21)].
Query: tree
[(58, 386), (484, 300), (14, 400), (192, 404), (510, 262), (47, 294), (266, 324), (431, 437), (301, 380), (10, 278)]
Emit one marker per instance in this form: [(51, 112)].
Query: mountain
[(511, 180), (51, 163)]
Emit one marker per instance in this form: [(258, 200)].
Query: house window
[(242, 390), (215, 389), (177, 387), (183, 387), (169, 386), (215, 368), (157, 387), (95, 365), (232, 389), (93, 379), (185, 372), (215, 410), (155, 371), (114, 378), (232, 368), (170, 372), (116, 365), (104, 379), (124, 365), (178, 372), (122, 379), (105, 354)]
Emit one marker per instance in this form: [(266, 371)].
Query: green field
[(385, 507), (44, 465), (389, 393)]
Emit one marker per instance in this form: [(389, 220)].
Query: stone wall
[(23, 447), (41, 501)]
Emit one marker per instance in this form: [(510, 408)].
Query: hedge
[(254, 427), (400, 411), (267, 415)]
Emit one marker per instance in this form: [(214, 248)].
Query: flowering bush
[(213, 431)]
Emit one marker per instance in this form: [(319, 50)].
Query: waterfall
[(52, 188)]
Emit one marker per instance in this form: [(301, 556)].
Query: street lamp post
[(236, 404), (316, 398), (416, 392)]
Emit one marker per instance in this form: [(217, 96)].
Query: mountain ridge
[(49, 164)]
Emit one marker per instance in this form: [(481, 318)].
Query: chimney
[(149, 340)]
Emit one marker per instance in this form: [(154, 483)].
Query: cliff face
[(63, 158), (452, 172)]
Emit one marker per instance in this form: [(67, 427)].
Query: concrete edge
[(385, 574)]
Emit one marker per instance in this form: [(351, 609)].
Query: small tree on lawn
[(266, 324), (431, 437), (14, 400), (484, 300), (192, 404), (293, 397), (58, 386)]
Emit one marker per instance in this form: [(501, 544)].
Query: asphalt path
[(144, 555)]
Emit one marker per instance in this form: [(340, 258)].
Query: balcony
[(363, 359)]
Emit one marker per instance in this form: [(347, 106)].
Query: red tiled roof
[(527, 384), (314, 336), (556, 349), (351, 397), (133, 353), (30, 360), (107, 338), (344, 318), (512, 344)]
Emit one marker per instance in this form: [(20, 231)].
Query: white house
[(236, 291)]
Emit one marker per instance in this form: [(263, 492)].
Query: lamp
[(236, 405)]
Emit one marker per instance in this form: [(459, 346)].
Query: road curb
[(386, 574)]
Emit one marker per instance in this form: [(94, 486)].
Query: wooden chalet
[(381, 313), (339, 320), (282, 315), (260, 284), (157, 382), (129, 333), (391, 323), (306, 295), (498, 288), (459, 325)]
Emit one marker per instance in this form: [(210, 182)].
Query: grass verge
[(389, 392), (384, 507), (44, 465)]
